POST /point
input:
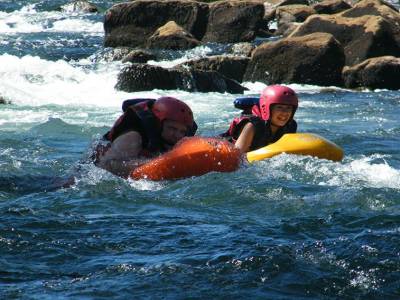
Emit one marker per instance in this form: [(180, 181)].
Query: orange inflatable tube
[(192, 156)]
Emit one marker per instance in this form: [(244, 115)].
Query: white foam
[(371, 172), (35, 81), (198, 52), (28, 20)]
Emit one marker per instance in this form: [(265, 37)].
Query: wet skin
[(280, 115), (173, 131)]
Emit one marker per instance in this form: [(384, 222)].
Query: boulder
[(376, 8), (3, 100), (143, 77), (242, 49), (294, 13), (289, 16), (138, 56), (172, 36), (232, 67), (80, 6), (374, 73), (286, 28), (233, 21), (317, 59), (362, 38), (111, 54), (271, 6), (132, 23), (330, 7), (277, 3)]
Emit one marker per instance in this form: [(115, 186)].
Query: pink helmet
[(173, 109), (276, 94)]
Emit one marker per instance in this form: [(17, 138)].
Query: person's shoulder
[(130, 134)]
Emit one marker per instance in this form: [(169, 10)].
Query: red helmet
[(276, 94), (173, 109)]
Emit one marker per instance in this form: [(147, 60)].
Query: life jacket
[(138, 116), (251, 114)]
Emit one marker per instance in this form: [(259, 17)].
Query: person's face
[(173, 131), (280, 114)]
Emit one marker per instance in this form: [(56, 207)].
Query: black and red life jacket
[(137, 116), (251, 113)]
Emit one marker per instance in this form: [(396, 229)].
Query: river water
[(290, 227)]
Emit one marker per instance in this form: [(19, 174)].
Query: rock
[(143, 77), (372, 7), (330, 7), (232, 67), (138, 56), (376, 8), (171, 36), (112, 54), (313, 59), (374, 73), (277, 3), (362, 38), (80, 6), (4, 100), (289, 16), (132, 23), (212, 81), (233, 21), (242, 49), (271, 6), (294, 13), (286, 28)]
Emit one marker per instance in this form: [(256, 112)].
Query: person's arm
[(245, 138), (122, 157)]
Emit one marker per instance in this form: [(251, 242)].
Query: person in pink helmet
[(269, 121), (146, 129)]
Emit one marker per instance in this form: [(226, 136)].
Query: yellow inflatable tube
[(299, 143)]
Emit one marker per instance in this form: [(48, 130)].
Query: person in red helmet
[(146, 129), (269, 121)]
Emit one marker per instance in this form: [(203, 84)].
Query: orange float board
[(193, 156)]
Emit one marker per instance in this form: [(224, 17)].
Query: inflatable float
[(195, 156), (301, 144)]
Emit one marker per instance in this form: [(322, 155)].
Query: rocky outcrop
[(233, 21), (143, 77), (288, 17), (374, 73), (80, 6), (319, 40), (171, 36), (294, 13), (4, 100), (132, 23), (330, 7), (111, 54), (362, 38), (317, 58), (138, 56), (271, 7), (377, 8), (242, 49), (230, 66)]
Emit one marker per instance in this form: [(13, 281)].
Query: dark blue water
[(290, 227)]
